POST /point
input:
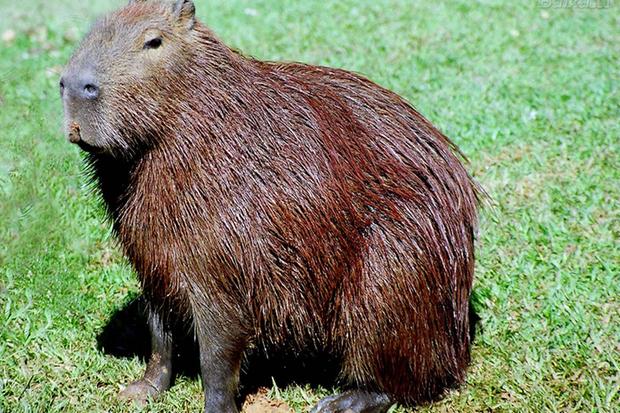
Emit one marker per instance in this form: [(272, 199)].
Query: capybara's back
[(277, 205), (370, 226)]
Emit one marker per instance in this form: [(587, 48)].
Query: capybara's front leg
[(158, 372), (221, 347)]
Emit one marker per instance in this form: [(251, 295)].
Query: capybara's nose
[(82, 85), (62, 86)]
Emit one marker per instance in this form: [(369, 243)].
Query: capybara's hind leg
[(159, 368), (354, 401)]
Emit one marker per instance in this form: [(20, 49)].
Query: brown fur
[(291, 204)]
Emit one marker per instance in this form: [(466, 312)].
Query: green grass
[(530, 94)]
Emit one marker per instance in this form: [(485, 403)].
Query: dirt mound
[(261, 403)]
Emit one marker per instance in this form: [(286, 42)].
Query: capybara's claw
[(139, 392)]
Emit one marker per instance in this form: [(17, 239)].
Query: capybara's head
[(125, 78)]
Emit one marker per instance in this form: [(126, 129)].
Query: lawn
[(530, 92)]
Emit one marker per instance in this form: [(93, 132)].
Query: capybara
[(276, 205)]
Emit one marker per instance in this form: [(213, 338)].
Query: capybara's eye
[(153, 43), (62, 86)]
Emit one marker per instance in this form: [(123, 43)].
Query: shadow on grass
[(126, 335)]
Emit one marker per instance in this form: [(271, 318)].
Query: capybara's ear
[(185, 11)]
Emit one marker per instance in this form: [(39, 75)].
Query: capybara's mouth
[(74, 132), (75, 136)]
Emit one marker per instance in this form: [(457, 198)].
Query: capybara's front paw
[(139, 391)]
